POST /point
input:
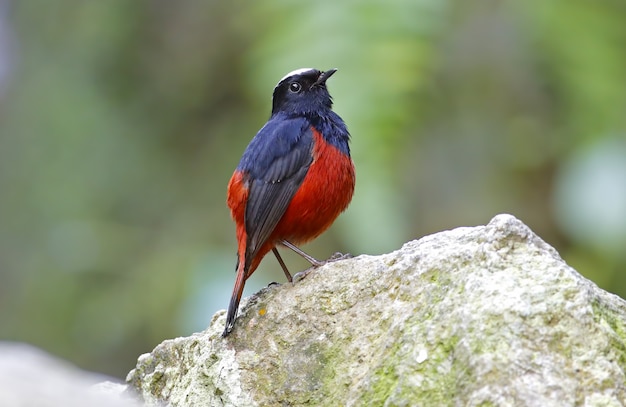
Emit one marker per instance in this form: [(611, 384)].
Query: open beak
[(324, 76)]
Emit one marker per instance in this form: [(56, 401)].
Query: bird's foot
[(335, 257), (339, 256), (302, 274)]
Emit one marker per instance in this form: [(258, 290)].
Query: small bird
[(294, 178)]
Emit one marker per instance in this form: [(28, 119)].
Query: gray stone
[(481, 316), (29, 377)]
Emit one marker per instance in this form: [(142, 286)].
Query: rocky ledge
[(487, 315)]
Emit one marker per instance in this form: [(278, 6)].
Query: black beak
[(321, 80)]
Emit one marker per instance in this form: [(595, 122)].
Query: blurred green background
[(121, 122)]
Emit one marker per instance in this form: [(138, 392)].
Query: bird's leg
[(282, 265), (314, 262)]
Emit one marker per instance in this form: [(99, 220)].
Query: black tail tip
[(227, 330)]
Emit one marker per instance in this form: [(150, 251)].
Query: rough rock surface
[(481, 316), (29, 377)]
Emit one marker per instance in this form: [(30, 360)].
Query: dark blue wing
[(275, 164)]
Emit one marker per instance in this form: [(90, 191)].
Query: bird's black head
[(302, 92)]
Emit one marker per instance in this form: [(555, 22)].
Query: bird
[(293, 180)]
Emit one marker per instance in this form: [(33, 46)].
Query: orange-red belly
[(326, 191)]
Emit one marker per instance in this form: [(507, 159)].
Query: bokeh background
[(121, 122)]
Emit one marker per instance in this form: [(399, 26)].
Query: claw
[(302, 274), (339, 256)]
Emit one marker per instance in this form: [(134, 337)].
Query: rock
[(31, 377), (489, 315)]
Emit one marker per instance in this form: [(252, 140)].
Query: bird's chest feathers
[(326, 190), (330, 172)]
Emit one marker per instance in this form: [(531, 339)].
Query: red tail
[(235, 298)]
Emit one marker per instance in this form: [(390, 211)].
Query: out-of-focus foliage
[(121, 122)]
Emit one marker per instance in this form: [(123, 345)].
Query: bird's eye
[(295, 87)]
